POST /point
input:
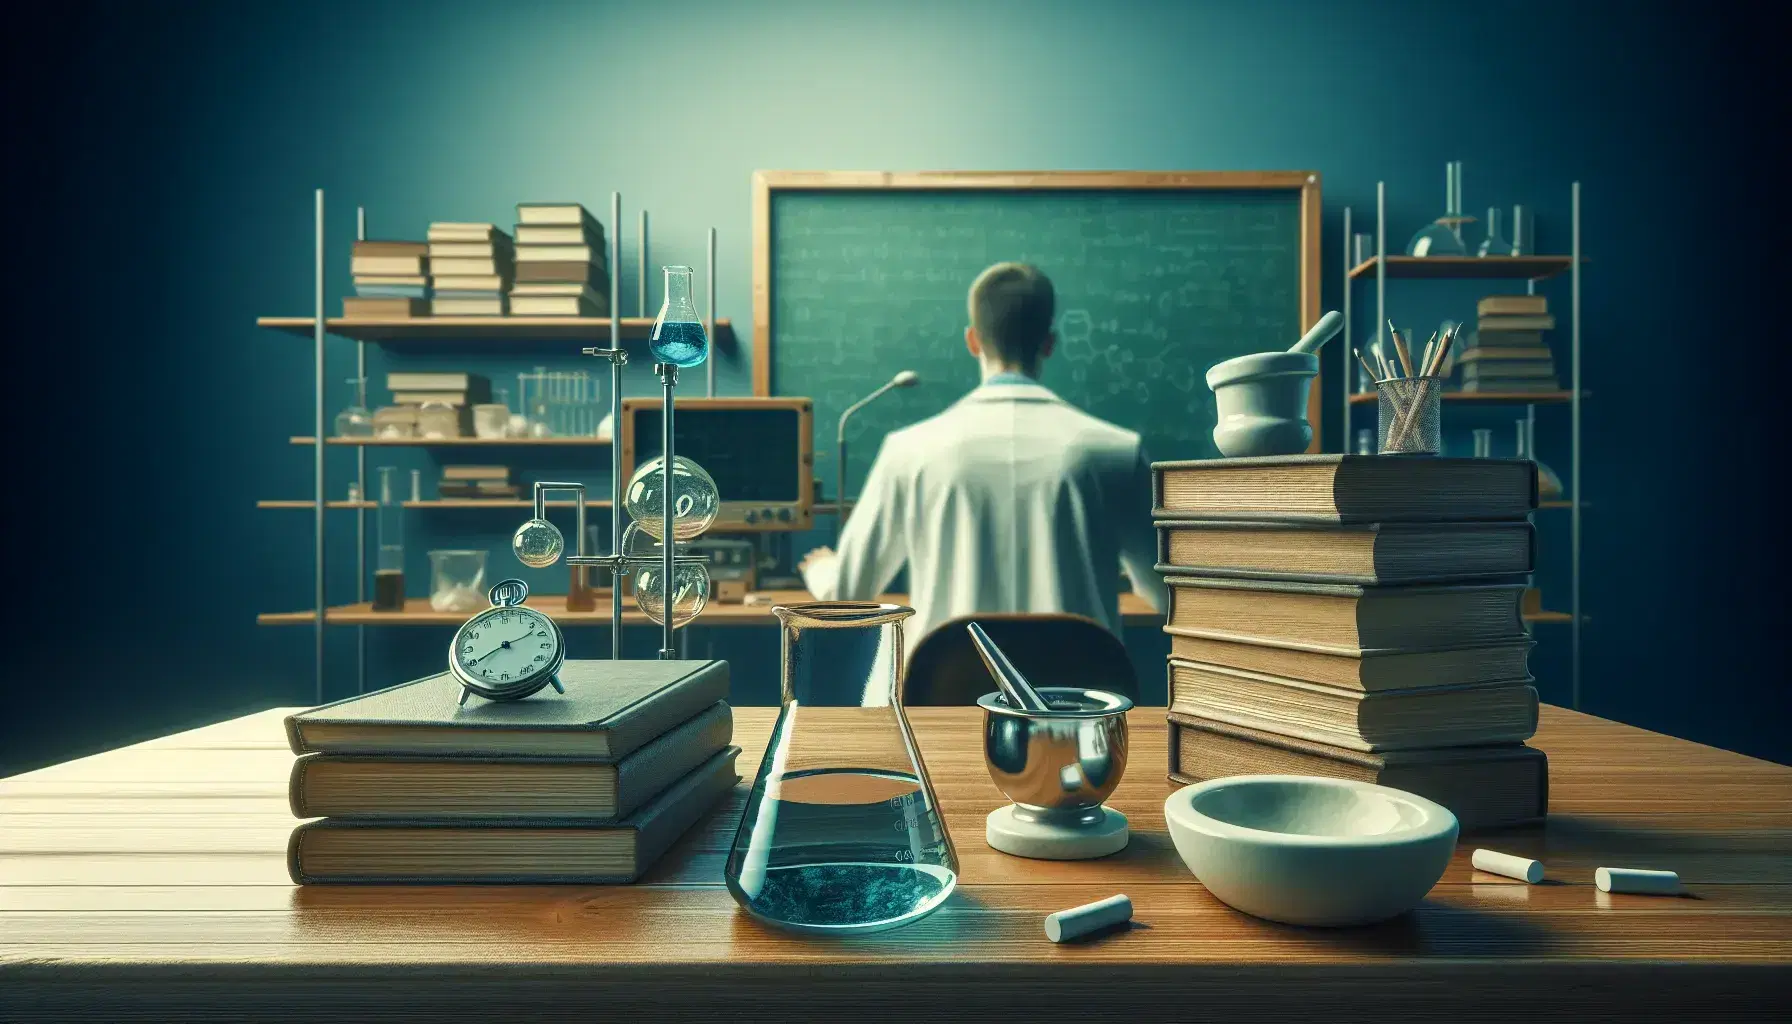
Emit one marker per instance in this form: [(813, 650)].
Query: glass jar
[(457, 581)]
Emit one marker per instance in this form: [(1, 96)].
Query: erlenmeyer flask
[(1495, 243), (842, 833), (678, 336)]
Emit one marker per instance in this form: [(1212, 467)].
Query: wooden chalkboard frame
[(765, 183)]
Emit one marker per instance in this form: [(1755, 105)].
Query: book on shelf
[(559, 214), (1484, 786), (610, 709), (1513, 305), (368, 290), (1370, 554), (1496, 353), (1508, 368), (576, 289), (357, 786), (1340, 617), (465, 490), (562, 272), (1436, 716), (1544, 322), (1367, 670), (392, 279), (1511, 385), (455, 305), (369, 247), (557, 305), (485, 266), (399, 266), (499, 852), (437, 380), (483, 283), (559, 234), (425, 397), (383, 308), (1344, 488), (558, 254), (482, 472), (1528, 340), (498, 247), (464, 231)]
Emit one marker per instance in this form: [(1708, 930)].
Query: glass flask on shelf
[(678, 336), (388, 567), (1443, 237), (1483, 443), (356, 420), (1549, 485), (842, 833), (1495, 244), (1365, 441)]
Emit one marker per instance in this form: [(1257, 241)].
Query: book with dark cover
[(1433, 716), (384, 307), (1370, 670), (1485, 787), (1340, 617), (1369, 554), (1344, 489), (563, 272), (351, 786), (534, 852), (609, 710)]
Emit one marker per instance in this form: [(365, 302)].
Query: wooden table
[(150, 882)]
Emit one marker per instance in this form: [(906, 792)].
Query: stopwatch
[(507, 652)]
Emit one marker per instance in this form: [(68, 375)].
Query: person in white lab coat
[(1012, 500)]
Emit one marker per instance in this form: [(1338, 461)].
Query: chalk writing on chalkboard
[(1152, 287)]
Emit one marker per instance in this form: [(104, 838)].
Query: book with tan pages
[(1484, 786), (532, 852), (351, 786), (1344, 489), (1343, 617), (1370, 670), (1371, 554)]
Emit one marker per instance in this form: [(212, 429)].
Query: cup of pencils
[(1410, 396)]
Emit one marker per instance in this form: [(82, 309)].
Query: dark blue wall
[(168, 161)]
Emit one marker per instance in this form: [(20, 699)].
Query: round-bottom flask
[(842, 833)]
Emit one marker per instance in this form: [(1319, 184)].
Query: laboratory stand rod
[(641, 267), (1349, 366), (709, 329), (668, 498), (616, 364), (1574, 507), (317, 449), (361, 492)]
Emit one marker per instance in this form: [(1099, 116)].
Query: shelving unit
[(1529, 269), (483, 334)]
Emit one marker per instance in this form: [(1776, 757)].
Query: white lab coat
[(1012, 500)]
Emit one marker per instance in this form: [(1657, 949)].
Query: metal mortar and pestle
[(1262, 397), (1058, 753)]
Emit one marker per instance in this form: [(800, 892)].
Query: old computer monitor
[(761, 452)]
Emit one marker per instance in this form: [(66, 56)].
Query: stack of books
[(1507, 353), (474, 482), (471, 267), (560, 262), (391, 280), (590, 786), (1355, 617), (457, 389)]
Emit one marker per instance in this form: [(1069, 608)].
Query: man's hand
[(820, 554)]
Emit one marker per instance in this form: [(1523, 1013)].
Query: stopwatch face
[(508, 649)]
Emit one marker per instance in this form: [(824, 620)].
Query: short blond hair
[(1011, 308)]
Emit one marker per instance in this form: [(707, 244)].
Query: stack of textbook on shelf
[(1507, 353), (391, 280), (470, 268), (589, 786), (560, 262), (1355, 617)]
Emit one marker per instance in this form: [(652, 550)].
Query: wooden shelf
[(457, 442), (434, 503), (1469, 268), (1488, 397), (417, 612), (595, 330)]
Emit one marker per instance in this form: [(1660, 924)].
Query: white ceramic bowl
[(1312, 851)]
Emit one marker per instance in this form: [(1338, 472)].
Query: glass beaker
[(1483, 443), (356, 420), (457, 581), (842, 833), (678, 336), (388, 568), (1524, 231)]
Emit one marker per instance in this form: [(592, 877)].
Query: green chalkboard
[(1153, 286)]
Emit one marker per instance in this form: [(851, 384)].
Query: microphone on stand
[(903, 379)]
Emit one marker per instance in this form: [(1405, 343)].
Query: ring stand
[(1084, 836)]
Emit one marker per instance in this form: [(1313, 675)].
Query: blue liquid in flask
[(841, 851), (679, 342)]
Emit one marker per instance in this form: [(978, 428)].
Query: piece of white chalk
[(1495, 863), (1090, 917), (1641, 881)]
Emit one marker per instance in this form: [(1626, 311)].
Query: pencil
[(1369, 369), (1400, 349), (1430, 347), (1387, 369), (1437, 361)]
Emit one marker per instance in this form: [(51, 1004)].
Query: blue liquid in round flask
[(678, 336)]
